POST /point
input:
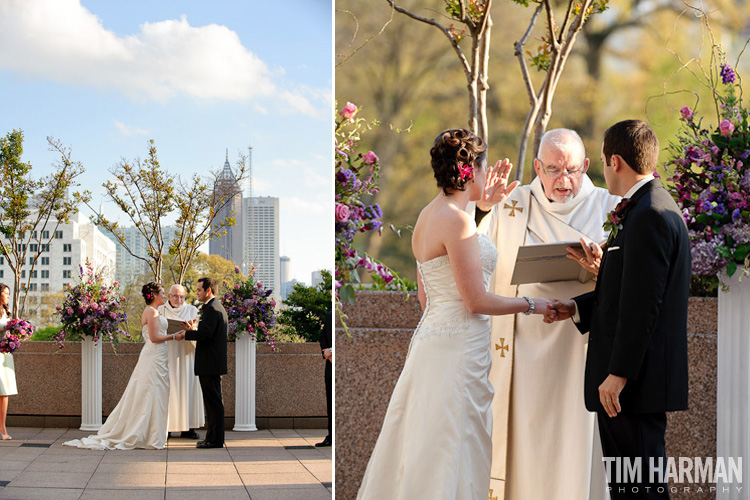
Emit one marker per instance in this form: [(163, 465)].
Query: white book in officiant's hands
[(547, 262)]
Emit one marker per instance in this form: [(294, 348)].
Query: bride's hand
[(496, 188), (543, 306)]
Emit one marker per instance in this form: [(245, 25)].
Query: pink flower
[(349, 111), (342, 212), (115, 283), (370, 158), (260, 285), (726, 127), (466, 171), (273, 303), (237, 286), (686, 113)]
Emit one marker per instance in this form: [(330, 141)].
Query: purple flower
[(686, 114), (727, 74), (705, 260)]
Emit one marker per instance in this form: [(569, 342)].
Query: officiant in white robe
[(545, 442), (185, 397)]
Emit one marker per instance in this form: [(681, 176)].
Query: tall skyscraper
[(261, 229), (285, 269), (230, 243)]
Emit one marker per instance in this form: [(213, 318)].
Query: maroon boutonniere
[(613, 224)]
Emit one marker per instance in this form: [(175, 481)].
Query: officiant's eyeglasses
[(553, 171), (176, 296)]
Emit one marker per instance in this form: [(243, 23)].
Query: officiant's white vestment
[(545, 443), (185, 396)]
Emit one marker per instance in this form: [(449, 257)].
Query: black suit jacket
[(637, 315), (325, 334), (211, 350)]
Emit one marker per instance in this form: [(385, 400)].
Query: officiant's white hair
[(563, 139), (179, 288)]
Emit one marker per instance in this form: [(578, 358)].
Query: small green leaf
[(724, 252), (731, 268)]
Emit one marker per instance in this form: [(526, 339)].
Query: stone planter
[(290, 384)]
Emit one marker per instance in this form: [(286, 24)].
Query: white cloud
[(300, 206), (312, 176), (61, 40), (127, 130)]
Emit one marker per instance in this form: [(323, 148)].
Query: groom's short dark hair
[(211, 283), (635, 142)]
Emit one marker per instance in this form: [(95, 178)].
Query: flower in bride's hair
[(466, 171)]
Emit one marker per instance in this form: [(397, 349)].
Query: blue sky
[(198, 77)]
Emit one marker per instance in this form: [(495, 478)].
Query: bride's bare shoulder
[(444, 218)]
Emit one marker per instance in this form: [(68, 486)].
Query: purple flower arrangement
[(711, 182), (16, 331), (250, 309), (356, 176), (91, 308)]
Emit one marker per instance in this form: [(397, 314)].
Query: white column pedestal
[(91, 384), (733, 387), (244, 402)]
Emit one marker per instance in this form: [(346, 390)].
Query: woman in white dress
[(436, 440), (140, 418), (7, 369)]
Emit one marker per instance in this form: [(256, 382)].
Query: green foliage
[(32, 208), (307, 308), (474, 10), (46, 334), (144, 192)]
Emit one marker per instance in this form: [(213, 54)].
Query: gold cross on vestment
[(491, 497), (502, 347), (513, 208)]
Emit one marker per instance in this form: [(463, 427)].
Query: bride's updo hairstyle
[(150, 291), (454, 148)]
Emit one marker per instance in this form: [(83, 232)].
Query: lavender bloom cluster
[(250, 309), (356, 176), (16, 331), (91, 308), (711, 183)]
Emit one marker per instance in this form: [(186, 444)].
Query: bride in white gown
[(436, 440), (140, 418)]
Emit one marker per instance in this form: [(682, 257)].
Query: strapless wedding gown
[(140, 418), (436, 440)]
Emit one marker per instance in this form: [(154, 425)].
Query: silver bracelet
[(173, 336), (531, 305)]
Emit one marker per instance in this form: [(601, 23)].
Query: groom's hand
[(496, 188), (560, 310), (609, 394)]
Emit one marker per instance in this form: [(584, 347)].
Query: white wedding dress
[(436, 440), (140, 418)]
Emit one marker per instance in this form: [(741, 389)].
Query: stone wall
[(370, 357), (290, 390)]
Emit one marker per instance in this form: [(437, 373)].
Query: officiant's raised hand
[(496, 188), (560, 310), (590, 259)]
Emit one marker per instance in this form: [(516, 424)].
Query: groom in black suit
[(637, 367), (211, 359)]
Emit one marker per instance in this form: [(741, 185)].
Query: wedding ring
[(583, 261), (608, 400)]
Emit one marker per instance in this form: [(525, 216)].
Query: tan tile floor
[(263, 465)]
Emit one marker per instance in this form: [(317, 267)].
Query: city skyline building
[(58, 264), (261, 230), (229, 244), (130, 268)]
